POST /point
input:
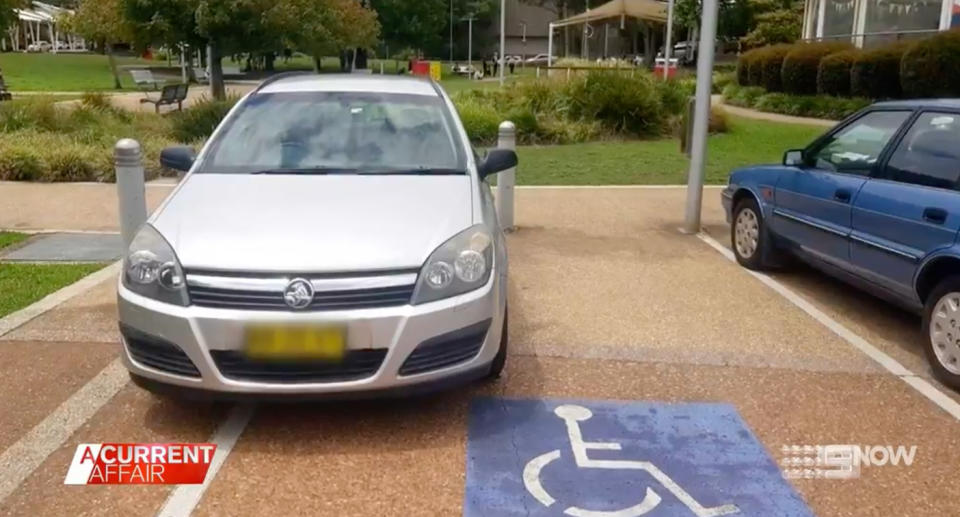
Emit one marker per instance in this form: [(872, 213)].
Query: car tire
[(500, 360), (941, 329), (751, 242)]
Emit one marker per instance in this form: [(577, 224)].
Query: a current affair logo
[(140, 463)]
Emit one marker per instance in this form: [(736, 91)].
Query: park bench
[(144, 79), (170, 95)]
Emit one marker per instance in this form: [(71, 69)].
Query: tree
[(416, 24), (7, 14), (101, 21), (782, 25)]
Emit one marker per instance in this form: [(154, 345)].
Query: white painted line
[(32, 231), (889, 363), (14, 320), (185, 498), (27, 453), (608, 187)]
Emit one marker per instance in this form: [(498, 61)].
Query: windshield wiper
[(421, 171), (308, 170)]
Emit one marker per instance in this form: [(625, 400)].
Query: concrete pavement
[(608, 301)]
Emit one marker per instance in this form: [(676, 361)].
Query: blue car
[(875, 202)]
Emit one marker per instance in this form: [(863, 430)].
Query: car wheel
[(941, 326), (500, 360), (751, 243)]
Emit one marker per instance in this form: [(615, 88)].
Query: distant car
[(514, 59), (875, 202), (336, 234), (40, 46), (539, 59)]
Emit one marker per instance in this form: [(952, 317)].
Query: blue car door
[(913, 209), (813, 202)]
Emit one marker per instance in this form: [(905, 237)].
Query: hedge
[(875, 73), (931, 67), (818, 106), (800, 65), (833, 75), (770, 61), (743, 67)]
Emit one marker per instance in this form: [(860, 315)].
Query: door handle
[(935, 215), (842, 195)]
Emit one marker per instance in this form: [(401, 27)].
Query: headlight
[(461, 264), (151, 268)]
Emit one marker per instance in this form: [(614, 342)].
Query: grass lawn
[(10, 238), (653, 162), (23, 284), (63, 72)]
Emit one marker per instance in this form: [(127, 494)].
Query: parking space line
[(889, 363), (14, 320), (613, 187), (185, 498), (24, 456)]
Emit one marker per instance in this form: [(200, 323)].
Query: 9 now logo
[(841, 461)]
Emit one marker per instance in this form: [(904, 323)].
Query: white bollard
[(130, 189), (507, 139)]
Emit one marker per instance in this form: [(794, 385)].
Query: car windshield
[(337, 132)]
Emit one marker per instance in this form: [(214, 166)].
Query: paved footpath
[(622, 330)]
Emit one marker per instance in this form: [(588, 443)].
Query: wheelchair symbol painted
[(572, 416)]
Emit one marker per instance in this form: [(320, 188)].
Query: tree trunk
[(360, 58), (217, 89), (318, 64), (268, 61), (113, 66)]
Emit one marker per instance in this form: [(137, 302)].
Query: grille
[(336, 293), (446, 350), (356, 364), (157, 353)]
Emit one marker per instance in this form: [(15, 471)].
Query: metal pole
[(506, 139), (451, 32), (130, 191), (503, 36), (549, 46), (708, 32), (606, 40), (470, 46), (669, 44)]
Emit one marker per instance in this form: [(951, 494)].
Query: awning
[(650, 10)]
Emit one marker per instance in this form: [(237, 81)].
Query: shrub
[(20, 162), (95, 100), (770, 61), (201, 119), (718, 120), (479, 120), (721, 80), (929, 68), (876, 73), (622, 103), (800, 65), (833, 76), (742, 95)]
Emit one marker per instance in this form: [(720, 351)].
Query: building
[(872, 22), (38, 25)]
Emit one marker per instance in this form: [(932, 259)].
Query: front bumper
[(398, 330)]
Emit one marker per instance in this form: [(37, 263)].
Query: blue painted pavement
[(556, 457)]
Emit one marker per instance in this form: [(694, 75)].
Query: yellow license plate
[(291, 342)]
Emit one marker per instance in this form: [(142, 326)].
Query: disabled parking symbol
[(618, 459)]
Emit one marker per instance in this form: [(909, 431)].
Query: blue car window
[(930, 152), (855, 148)]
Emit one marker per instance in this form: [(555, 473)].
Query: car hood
[(329, 223)]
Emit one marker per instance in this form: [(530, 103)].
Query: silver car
[(335, 235)]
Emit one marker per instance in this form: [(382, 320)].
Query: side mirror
[(497, 160), (793, 157), (178, 158)]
